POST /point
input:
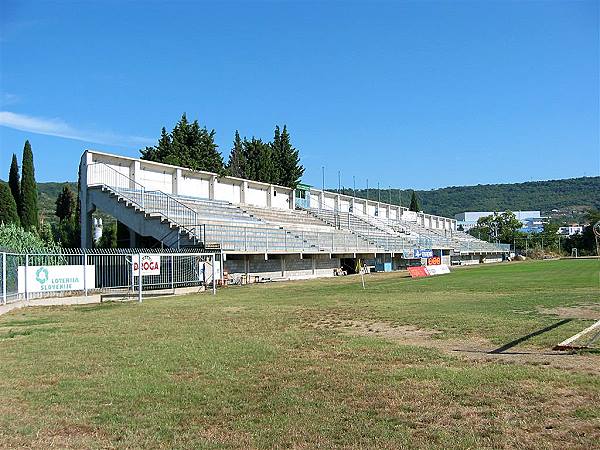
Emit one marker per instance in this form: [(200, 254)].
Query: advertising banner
[(425, 253), (56, 278), (422, 271), (418, 271), (150, 265), (438, 270)]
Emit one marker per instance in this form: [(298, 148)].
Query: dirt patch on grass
[(589, 312), (478, 349)]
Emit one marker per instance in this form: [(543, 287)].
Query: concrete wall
[(334, 201), (133, 173), (282, 266), (104, 168)]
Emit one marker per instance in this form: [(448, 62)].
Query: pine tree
[(188, 145), (8, 206), (236, 166), (259, 161), (414, 203), (65, 204), (29, 198), (289, 162), (13, 181)]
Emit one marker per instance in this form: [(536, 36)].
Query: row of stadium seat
[(252, 228)]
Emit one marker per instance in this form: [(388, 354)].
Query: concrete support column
[(293, 199), (135, 173), (87, 228), (133, 240), (86, 208), (270, 195), (177, 181), (283, 265), (243, 190), (211, 187)]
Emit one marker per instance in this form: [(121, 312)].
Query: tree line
[(505, 228), (19, 210), (191, 146)]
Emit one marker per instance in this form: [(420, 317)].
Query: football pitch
[(457, 361)]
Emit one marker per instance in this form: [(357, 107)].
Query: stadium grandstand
[(264, 231)]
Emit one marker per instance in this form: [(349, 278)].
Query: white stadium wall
[(180, 181), (339, 202)]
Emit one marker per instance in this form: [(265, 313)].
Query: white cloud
[(58, 127)]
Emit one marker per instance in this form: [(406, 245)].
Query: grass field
[(318, 363)]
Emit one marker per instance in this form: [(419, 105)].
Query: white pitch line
[(566, 342)]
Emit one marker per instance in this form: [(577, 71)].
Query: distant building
[(532, 221), (570, 230)]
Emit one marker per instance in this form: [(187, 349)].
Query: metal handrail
[(172, 204)]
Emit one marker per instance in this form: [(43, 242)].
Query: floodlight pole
[(322, 188), (339, 182), (353, 186)]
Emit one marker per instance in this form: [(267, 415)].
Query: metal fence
[(108, 272)]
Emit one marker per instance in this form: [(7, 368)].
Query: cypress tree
[(236, 166), (29, 197), (414, 203), (13, 182), (8, 206), (278, 155), (65, 204), (289, 162)]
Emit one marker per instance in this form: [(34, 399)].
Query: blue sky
[(409, 94)]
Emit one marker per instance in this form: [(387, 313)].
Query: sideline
[(83, 300)]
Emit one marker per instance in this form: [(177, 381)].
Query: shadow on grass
[(111, 304), (516, 342)]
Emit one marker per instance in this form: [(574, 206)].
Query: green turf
[(249, 368)]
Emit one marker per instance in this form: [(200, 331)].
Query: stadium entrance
[(349, 265)]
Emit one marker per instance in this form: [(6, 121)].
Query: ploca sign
[(150, 265)]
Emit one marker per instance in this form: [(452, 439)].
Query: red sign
[(418, 271)]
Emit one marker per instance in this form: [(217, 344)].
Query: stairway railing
[(150, 201)]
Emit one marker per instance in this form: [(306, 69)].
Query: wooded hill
[(570, 196)]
